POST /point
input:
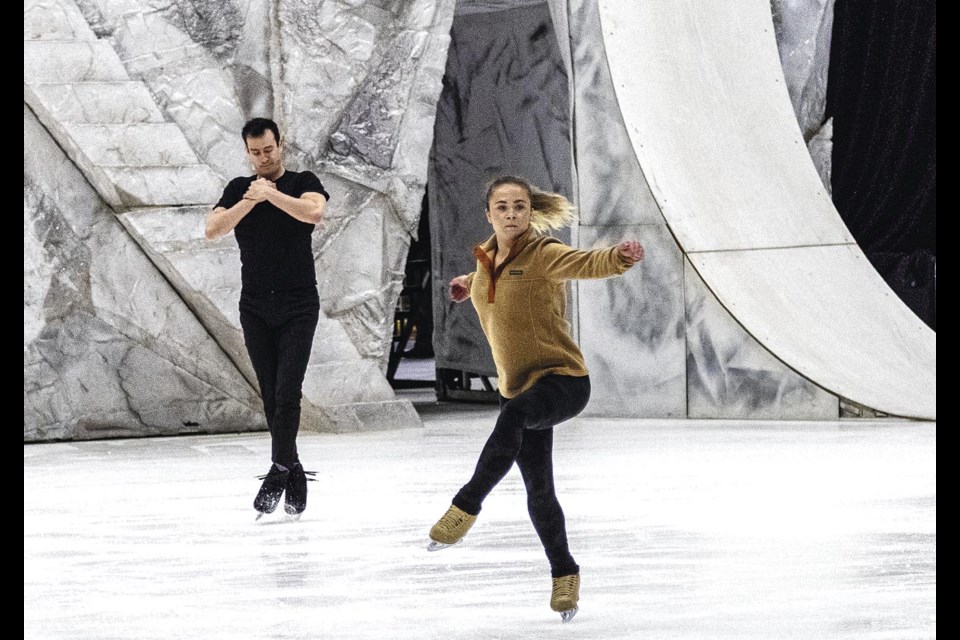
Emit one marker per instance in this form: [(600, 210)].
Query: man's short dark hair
[(259, 126)]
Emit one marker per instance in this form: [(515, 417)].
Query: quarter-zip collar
[(490, 245)]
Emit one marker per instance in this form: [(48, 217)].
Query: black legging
[(524, 434)]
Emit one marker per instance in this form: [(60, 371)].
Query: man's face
[(265, 153)]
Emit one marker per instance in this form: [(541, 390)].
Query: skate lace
[(310, 475), (451, 520), (564, 588)]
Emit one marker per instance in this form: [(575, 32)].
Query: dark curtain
[(882, 95), (503, 109)]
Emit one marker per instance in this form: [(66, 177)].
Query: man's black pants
[(278, 328)]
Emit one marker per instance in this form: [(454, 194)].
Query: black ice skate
[(270, 491), (295, 500)]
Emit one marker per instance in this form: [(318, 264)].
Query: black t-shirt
[(275, 247)]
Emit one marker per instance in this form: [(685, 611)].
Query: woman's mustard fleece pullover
[(522, 305)]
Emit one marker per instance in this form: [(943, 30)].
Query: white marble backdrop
[(147, 100), (109, 348), (804, 30), (657, 342)]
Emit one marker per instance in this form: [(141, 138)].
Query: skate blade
[(437, 546), (260, 514), (567, 616)]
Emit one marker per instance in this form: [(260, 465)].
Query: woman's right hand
[(459, 289)]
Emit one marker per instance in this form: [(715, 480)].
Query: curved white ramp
[(702, 94)]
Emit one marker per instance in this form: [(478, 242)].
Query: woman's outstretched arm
[(563, 262)]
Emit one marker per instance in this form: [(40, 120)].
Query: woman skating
[(518, 292)]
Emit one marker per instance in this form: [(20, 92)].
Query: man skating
[(273, 214)]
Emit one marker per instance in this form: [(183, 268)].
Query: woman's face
[(508, 210)]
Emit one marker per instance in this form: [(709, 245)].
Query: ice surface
[(683, 529)]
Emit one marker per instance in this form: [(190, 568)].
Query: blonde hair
[(547, 210)]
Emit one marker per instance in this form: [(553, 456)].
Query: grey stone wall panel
[(632, 328), (731, 375)]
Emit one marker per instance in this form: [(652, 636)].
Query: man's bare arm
[(307, 208), (221, 221)]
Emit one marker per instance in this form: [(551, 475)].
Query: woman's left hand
[(631, 249)]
